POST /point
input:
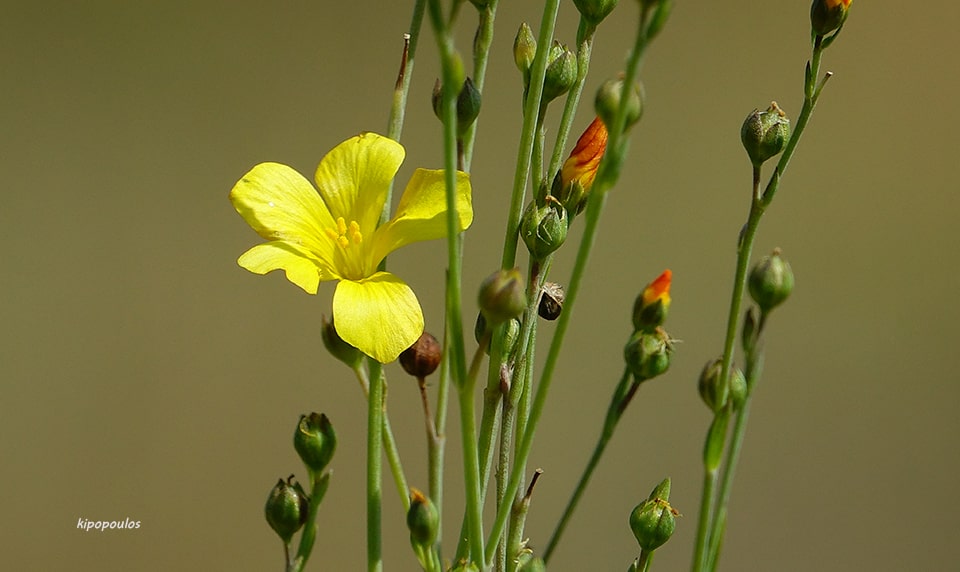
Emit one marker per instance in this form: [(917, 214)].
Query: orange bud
[(659, 289), (582, 164), (651, 307)]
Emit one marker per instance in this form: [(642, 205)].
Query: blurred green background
[(146, 376)]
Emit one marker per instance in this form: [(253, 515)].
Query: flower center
[(346, 234)]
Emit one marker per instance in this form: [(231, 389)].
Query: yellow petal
[(279, 255), (280, 204), (422, 212), (379, 315), (355, 176)]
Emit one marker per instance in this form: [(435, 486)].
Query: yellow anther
[(345, 234)]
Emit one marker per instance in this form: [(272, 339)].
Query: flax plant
[(343, 228)]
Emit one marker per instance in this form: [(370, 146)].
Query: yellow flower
[(334, 235)]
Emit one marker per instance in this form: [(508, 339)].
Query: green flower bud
[(594, 11), (422, 358), (315, 441), (715, 394), (551, 301), (608, 102), (533, 564), (652, 305), (748, 336), (468, 104), (771, 281), (648, 354), (502, 296), (544, 228), (287, 508), (511, 334), (828, 15), (654, 520), (738, 388), (561, 72), (765, 133), (336, 346), (464, 566), (423, 520), (712, 392), (524, 49)]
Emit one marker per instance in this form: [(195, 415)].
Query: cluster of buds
[(649, 350)]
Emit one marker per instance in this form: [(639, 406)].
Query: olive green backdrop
[(146, 376)]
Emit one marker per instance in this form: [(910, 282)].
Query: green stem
[(374, 447), (389, 443), (527, 133), (706, 505), (470, 460), (607, 174), (481, 54), (621, 397), (585, 36), (646, 558), (318, 489), (401, 89)]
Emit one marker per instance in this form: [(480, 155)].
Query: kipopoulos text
[(104, 525)]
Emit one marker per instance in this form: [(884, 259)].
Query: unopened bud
[(715, 393), (544, 228), (336, 346), (511, 334), (608, 102), (765, 133), (648, 354), (287, 508), (651, 307), (594, 11), (561, 72), (423, 520), (532, 564), (315, 441), (654, 520), (468, 104), (502, 296), (573, 182), (771, 281), (551, 301), (524, 49), (422, 358), (828, 15)]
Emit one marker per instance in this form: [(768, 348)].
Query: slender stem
[(527, 133), (643, 563), (706, 505), (481, 54), (614, 412), (584, 49), (402, 88), (318, 489), (726, 483), (470, 461), (374, 447), (607, 175), (389, 444)]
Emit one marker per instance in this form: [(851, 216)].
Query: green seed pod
[(765, 133), (712, 392), (648, 354), (315, 441), (502, 296), (771, 281), (287, 508), (544, 228), (654, 520)]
